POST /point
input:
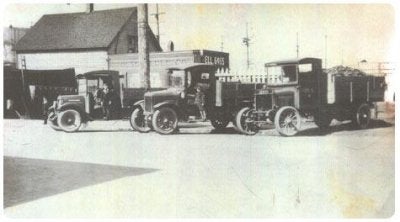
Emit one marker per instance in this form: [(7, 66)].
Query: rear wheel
[(220, 119), (287, 121), (69, 120), (219, 123), (165, 120), (137, 121), (362, 116), (244, 122)]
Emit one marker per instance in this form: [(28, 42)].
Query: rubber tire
[(136, 112), (238, 121), (174, 124), (277, 118), (356, 121), (219, 124), (65, 127)]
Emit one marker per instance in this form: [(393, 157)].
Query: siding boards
[(81, 61), (127, 65)]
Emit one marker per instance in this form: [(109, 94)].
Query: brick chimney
[(89, 8)]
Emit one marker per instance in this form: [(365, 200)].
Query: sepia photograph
[(199, 110)]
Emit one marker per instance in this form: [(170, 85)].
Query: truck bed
[(233, 93), (344, 90)]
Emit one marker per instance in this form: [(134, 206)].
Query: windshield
[(282, 74), (177, 79)]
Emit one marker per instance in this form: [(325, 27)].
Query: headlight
[(183, 95)]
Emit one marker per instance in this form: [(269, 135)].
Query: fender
[(166, 103), (51, 112), (139, 103), (51, 109), (73, 106)]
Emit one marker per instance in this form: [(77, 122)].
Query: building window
[(132, 44)]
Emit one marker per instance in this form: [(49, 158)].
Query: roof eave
[(19, 51)]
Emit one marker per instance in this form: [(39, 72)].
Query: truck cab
[(161, 110), (298, 83), (70, 111)]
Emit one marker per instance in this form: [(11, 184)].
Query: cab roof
[(293, 61), (190, 66)]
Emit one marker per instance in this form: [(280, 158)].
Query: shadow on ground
[(30, 179), (104, 131), (374, 124)]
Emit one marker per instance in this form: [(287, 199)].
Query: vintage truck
[(303, 90), (69, 112), (162, 110)]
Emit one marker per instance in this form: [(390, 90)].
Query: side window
[(305, 68), (205, 76), (289, 73), (189, 79), (132, 44)]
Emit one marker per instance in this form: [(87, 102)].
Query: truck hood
[(70, 97), (166, 92)]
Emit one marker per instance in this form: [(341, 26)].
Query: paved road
[(107, 170)]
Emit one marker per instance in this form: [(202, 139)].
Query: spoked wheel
[(52, 121), (244, 122), (219, 123), (165, 120), (69, 120), (287, 121), (137, 121), (362, 117)]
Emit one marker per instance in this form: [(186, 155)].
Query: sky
[(348, 32)]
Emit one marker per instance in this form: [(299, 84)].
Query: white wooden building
[(83, 41)]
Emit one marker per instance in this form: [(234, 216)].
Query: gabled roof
[(75, 30)]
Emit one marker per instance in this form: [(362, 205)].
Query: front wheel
[(165, 120), (69, 120), (244, 122), (137, 121), (287, 121)]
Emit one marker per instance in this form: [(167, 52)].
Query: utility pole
[(246, 41), (157, 16), (143, 45), (297, 44), (326, 51)]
